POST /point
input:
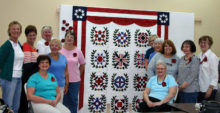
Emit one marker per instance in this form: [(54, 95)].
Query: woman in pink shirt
[(76, 65)]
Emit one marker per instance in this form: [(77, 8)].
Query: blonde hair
[(153, 36), (57, 42)]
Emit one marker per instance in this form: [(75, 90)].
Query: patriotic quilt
[(114, 42)]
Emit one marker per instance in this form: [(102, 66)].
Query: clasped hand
[(154, 104)]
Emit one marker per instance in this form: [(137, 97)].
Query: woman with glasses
[(159, 91)]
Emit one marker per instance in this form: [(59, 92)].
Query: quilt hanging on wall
[(114, 42)]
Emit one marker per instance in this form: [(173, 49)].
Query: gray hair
[(153, 36), (44, 28), (161, 62), (158, 40)]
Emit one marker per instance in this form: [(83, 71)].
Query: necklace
[(162, 83)]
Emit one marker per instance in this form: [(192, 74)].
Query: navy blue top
[(148, 52)]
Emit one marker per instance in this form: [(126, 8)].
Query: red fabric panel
[(83, 48), (75, 24), (121, 21), (121, 11), (159, 30), (166, 32)]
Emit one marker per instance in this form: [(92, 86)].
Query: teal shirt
[(45, 88), (156, 88)]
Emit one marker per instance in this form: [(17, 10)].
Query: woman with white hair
[(159, 91), (157, 47), (43, 44)]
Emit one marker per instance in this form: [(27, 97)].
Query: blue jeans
[(70, 100), (187, 97), (11, 92)]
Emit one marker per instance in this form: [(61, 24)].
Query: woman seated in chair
[(43, 90), (159, 91)]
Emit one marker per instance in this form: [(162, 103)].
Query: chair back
[(30, 108), (25, 88), (175, 97)]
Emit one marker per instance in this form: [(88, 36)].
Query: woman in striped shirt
[(30, 65)]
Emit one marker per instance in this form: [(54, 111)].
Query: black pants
[(201, 96), (28, 70), (163, 108)]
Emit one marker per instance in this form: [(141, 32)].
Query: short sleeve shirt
[(45, 88), (74, 58), (57, 67), (30, 54), (156, 88)]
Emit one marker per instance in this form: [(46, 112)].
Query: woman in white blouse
[(11, 62), (208, 75), (43, 44)]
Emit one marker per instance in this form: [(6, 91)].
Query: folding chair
[(30, 108)]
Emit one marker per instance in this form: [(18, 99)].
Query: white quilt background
[(181, 28)]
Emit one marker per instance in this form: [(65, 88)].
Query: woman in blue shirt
[(43, 90), (58, 67), (160, 90)]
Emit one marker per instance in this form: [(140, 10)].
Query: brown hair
[(43, 57), (13, 23), (30, 28), (205, 38), (71, 33), (170, 43)]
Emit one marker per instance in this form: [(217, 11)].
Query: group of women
[(193, 78), (50, 71)]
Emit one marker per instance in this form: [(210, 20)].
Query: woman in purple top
[(74, 58)]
